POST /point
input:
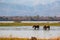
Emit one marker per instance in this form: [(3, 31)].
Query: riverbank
[(28, 24)]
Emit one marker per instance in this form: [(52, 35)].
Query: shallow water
[(28, 31)]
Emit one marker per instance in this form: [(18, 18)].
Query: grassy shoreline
[(28, 24)]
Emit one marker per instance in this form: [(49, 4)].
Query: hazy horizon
[(30, 7)]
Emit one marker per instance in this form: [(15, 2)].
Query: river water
[(28, 32)]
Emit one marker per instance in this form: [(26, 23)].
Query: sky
[(29, 7)]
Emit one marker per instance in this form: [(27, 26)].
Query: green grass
[(28, 24)]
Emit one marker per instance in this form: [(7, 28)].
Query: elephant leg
[(44, 28), (37, 28), (34, 28), (48, 28)]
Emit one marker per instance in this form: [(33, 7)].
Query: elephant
[(36, 27), (46, 27)]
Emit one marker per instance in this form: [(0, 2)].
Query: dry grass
[(55, 38), (14, 39)]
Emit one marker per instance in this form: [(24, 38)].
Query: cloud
[(28, 2), (30, 7)]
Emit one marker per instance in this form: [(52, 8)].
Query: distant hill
[(29, 18)]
